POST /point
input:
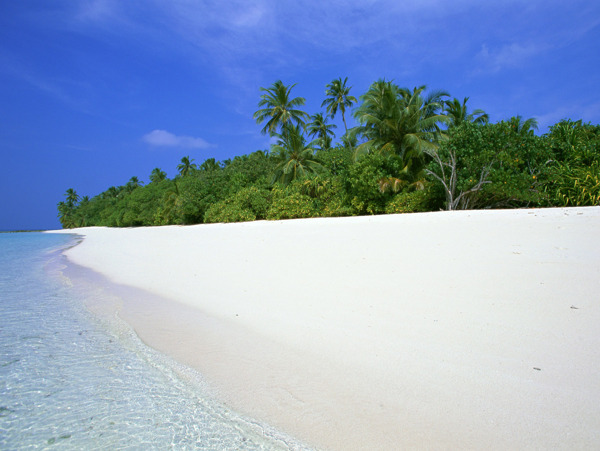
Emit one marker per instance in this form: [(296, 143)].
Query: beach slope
[(474, 329)]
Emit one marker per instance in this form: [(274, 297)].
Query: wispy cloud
[(52, 88), (163, 138), (506, 56), (574, 112)]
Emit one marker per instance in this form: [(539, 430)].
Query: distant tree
[(186, 166), (133, 183), (457, 113), (320, 129), (72, 197), (67, 210), (157, 175), (338, 98), (112, 192), (279, 109), (295, 157), (210, 164), (523, 126)]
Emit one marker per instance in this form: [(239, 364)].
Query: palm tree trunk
[(344, 119)]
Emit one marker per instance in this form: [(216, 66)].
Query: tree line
[(412, 151)]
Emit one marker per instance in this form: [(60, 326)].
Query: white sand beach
[(443, 330)]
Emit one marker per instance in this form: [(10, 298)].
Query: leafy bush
[(291, 204), (248, 204), (490, 166), (228, 212), (362, 185), (408, 202), (575, 186)]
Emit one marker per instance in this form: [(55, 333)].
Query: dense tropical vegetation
[(411, 151)]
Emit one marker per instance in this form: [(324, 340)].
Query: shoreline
[(332, 330)]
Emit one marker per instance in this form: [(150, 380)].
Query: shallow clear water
[(70, 380)]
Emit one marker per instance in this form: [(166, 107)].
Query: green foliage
[(362, 183), (248, 204), (400, 122), (279, 109), (338, 98), (575, 143), (457, 113), (409, 202), (490, 166), (198, 193), (578, 186), (186, 167), (295, 157), (320, 129), (335, 160), (574, 174), (157, 175), (289, 203), (378, 167), (68, 214), (327, 193)]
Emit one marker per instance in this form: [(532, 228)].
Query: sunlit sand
[(474, 329)]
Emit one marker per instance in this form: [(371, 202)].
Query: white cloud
[(163, 138)]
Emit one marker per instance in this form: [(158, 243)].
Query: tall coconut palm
[(72, 198), (339, 98), (457, 113), (294, 155), (398, 121), (279, 109), (320, 129), (186, 166), (157, 175)]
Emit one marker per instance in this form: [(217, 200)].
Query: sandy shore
[(463, 330)]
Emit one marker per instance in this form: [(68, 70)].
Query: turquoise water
[(70, 380)]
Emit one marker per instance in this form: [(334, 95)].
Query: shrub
[(248, 204), (228, 212), (408, 202), (290, 204)]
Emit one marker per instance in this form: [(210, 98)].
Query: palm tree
[(112, 192), (210, 164), (401, 122), (186, 166), (457, 113), (338, 99), (321, 129), (294, 155), (523, 127), (157, 175), (279, 109), (72, 197), (133, 183), (65, 215)]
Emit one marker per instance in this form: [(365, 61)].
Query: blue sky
[(95, 92)]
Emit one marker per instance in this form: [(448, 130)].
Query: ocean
[(71, 379)]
